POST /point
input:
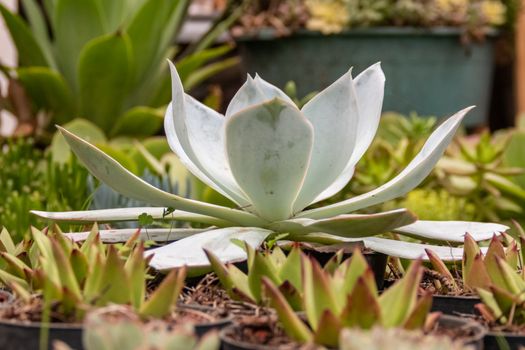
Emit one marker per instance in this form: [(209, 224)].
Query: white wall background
[(8, 57)]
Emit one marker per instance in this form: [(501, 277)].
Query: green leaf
[(439, 266), (259, 267), (104, 69), (162, 300), (29, 51), (197, 77), (39, 28), (114, 277), (362, 308), (8, 245), (418, 316), (86, 18), (291, 269), (329, 328), (80, 265), (292, 324), (188, 64), (135, 268), (139, 122), (48, 92), (65, 271)]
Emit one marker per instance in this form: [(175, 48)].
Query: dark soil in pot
[(264, 333), (21, 327)]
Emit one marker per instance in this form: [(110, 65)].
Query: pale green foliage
[(379, 339)]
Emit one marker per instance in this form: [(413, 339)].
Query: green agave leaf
[(197, 77), (109, 171), (163, 299), (292, 324), (29, 51), (409, 178), (139, 122), (113, 13), (86, 17), (104, 68), (190, 63), (39, 29)]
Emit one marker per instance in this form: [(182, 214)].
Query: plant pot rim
[(461, 297), (268, 33), (506, 334)]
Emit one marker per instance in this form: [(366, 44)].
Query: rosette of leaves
[(77, 278), (349, 300), (274, 160), (107, 69), (477, 264)]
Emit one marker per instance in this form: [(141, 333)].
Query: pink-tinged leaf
[(292, 324), (512, 255), (439, 266), (318, 294), (291, 269), (513, 281), (163, 299), (477, 275), (65, 271), (505, 299), (397, 301), (470, 250), (490, 308), (358, 268), (362, 308), (328, 331), (292, 295), (220, 270), (495, 248), (259, 267), (113, 279), (135, 268), (419, 313), (485, 312)]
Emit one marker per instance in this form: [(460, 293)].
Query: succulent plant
[(117, 327), (349, 298), (380, 338), (79, 277), (273, 161), (477, 264)]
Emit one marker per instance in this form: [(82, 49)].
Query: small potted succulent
[(418, 43), (56, 282), (346, 298), (455, 289)]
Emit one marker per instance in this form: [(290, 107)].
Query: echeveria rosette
[(274, 160)]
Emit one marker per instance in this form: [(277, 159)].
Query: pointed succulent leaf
[(409, 178), (292, 324), (328, 330), (514, 283), (362, 308), (135, 268), (358, 268), (188, 251), (14, 264), (419, 313), (259, 267), (292, 295), (398, 301), (439, 266), (9, 279), (332, 147), (290, 271), (318, 294), (505, 299), (6, 242), (92, 285), (490, 302), (65, 270), (113, 277), (268, 148), (126, 214), (476, 276), (79, 264), (109, 171), (450, 231), (163, 299)]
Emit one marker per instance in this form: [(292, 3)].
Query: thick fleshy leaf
[(328, 331), (362, 309), (268, 148), (200, 149), (189, 251), (410, 250), (334, 114), (406, 180), (126, 214), (109, 171), (254, 92), (351, 225), (369, 86), (151, 234), (451, 231)]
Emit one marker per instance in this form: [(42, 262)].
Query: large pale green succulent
[(274, 160)]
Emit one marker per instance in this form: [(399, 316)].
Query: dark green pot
[(427, 70)]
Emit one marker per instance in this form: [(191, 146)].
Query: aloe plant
[(349, 298), (78, 277), (477, 264), (273, 161), (112, 57)]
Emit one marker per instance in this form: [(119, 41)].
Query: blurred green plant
[(110, 69), (75, 278), (31, 180)]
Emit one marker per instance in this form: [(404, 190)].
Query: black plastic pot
[(508, 341), (203, 328), (454, 322), (17, 335), (451, 305)]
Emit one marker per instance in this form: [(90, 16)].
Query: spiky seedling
[(283, 270), (78, 277), (379, 338), (117, 327), (349, 298), (476, 264)]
